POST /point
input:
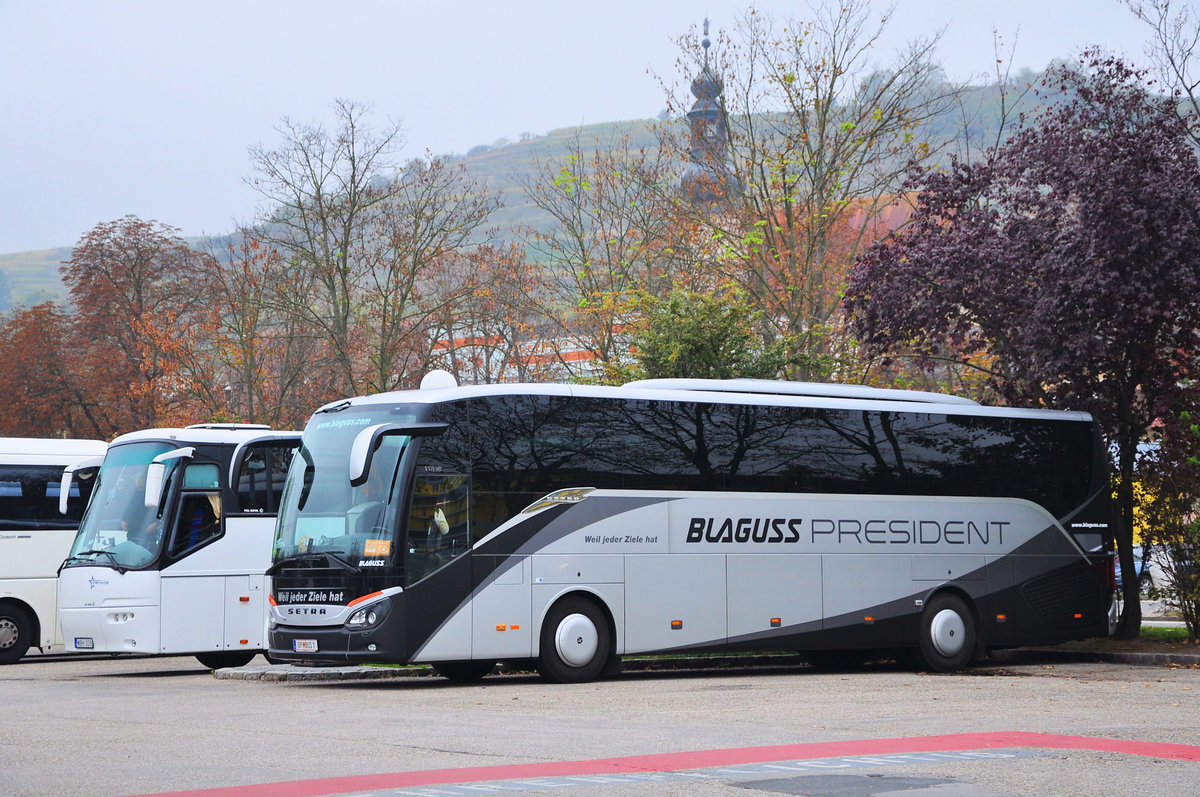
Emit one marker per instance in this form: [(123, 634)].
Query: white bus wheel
[(575, 641), (947, 633), (16, 632)]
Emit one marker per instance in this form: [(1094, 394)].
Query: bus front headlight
[(367, 617)]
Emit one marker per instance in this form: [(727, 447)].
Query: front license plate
[(304, 645), (84, 643)]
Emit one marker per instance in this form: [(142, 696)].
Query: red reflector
[(357, 601)]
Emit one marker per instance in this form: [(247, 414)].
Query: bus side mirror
[(366, 441), (64, 487), (154, 483), (156, 472)]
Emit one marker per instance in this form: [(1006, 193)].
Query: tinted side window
[(261, 476), (29, 497)]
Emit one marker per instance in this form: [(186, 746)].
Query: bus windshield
[(320, 512), (118, 529)]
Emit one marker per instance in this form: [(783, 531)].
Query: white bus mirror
[(156, 472), (366, 441), (64, 487)]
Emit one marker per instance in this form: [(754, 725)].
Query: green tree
[(702, 335)]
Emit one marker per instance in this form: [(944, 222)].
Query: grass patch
[(1152, 633)]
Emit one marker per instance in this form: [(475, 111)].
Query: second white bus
[(171, 553)]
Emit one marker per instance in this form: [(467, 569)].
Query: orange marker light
[(1000, 618), (1078, 616), (868, 619), (244, 599), (514, 627), (357, 601), (244, 641), (501, 627), (271, 600), (776, 622), (676, 625)]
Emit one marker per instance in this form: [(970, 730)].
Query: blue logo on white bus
[(93, 581)]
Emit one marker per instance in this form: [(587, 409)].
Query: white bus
[(171, 552), (35, 537), (571, 525)]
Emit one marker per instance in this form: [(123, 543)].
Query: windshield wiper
[(311, 559), (335, 407), (79, 558)]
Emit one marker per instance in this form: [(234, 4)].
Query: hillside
[(27, 278)]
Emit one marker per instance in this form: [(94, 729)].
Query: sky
[(148, 107)]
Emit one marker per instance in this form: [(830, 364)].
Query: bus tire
[(464, 672), (948, 636), (226, 658), (576, 641), (16, 632)]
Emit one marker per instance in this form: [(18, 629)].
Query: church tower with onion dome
[(706, 178)]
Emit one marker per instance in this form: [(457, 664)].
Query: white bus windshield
[(320, 512), (118, 529)]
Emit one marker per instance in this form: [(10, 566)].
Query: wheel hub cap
[(576, 640), (948, 633), (8, 633)]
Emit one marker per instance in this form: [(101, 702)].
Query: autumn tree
[(131, 283), (259, 359), (38, 364), (818, 139), (1072, 257)]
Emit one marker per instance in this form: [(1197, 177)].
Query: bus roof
[(47, 450), (732, 391), (230, 433)]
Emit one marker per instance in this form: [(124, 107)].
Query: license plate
[(304, 645), (84, 643)]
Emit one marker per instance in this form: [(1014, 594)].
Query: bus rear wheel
[(16, 632), (576, 642), (947, 633), (226, 658), (464, 672)]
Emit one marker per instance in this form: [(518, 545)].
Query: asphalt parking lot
[(121, 726)]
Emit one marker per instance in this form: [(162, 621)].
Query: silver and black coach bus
[(571, 525)]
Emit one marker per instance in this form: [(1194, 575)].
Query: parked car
[(1148, 562)]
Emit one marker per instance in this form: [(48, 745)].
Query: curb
[(290, 673)]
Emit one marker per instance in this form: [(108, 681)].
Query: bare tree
[(322, 188), (1173, 53)]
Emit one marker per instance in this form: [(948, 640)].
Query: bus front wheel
[(575, 643), (16, 632), (947, 633)]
